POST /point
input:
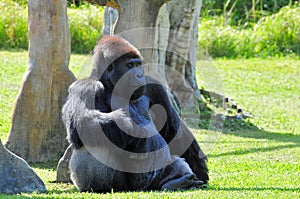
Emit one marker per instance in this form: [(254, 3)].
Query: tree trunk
[(37, 132), (181, 51), (110, 17)]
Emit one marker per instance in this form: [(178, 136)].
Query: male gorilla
[(116, 143)]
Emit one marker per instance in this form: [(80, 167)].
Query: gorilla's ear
[(99, 66)]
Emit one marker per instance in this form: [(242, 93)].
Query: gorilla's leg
[(89, 174), (81, 174)]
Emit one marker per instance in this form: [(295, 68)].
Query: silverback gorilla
[(116, 142)]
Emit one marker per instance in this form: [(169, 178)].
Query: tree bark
[(37, 133), (182, 48), (110, 17)]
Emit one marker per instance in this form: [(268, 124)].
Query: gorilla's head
[(119, 66)]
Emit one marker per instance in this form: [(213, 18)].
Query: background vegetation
[(85, 23), (274, 35), (243, 12), (232, 28)]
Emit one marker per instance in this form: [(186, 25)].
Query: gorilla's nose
[(141, 75)]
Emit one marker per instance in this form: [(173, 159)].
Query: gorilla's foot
[(188, 181)]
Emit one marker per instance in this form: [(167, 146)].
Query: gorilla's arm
[(185, 140), (95, 128), (157, 95), (98, 128), (84, 124)]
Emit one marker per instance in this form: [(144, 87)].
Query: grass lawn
[(262, 162)]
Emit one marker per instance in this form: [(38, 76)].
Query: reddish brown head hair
[(108, 50)]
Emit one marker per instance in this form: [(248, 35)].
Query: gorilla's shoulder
[(86, 87)]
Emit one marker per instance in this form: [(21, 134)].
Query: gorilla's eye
[(109, 68), (130, 65)]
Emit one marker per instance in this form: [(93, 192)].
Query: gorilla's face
[(126, 77)]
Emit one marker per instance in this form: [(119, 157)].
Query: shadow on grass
[(235, 122), (243, 127), (255, 150), (293, 140), (45, 165), (68, 189), (261, 134)]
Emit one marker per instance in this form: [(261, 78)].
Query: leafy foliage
[(13, 25), (239, 12), (275, 35), (85, 23)]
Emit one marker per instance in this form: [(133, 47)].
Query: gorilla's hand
[(122, 119), (188, 181), (118, 114), (104, 118)]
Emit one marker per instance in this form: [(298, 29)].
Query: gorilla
[(125, 134)]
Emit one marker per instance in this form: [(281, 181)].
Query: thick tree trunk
[(136, 23), (190, 67), (182, 47), (37, 132)]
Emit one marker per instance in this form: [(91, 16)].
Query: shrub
[(13, 25), (280, 33), (239, 12), (85, 24), (216, 38), (275, 35)]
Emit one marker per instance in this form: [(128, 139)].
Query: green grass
[(261, 162)]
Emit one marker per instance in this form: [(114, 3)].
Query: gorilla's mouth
[(140, 91)]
